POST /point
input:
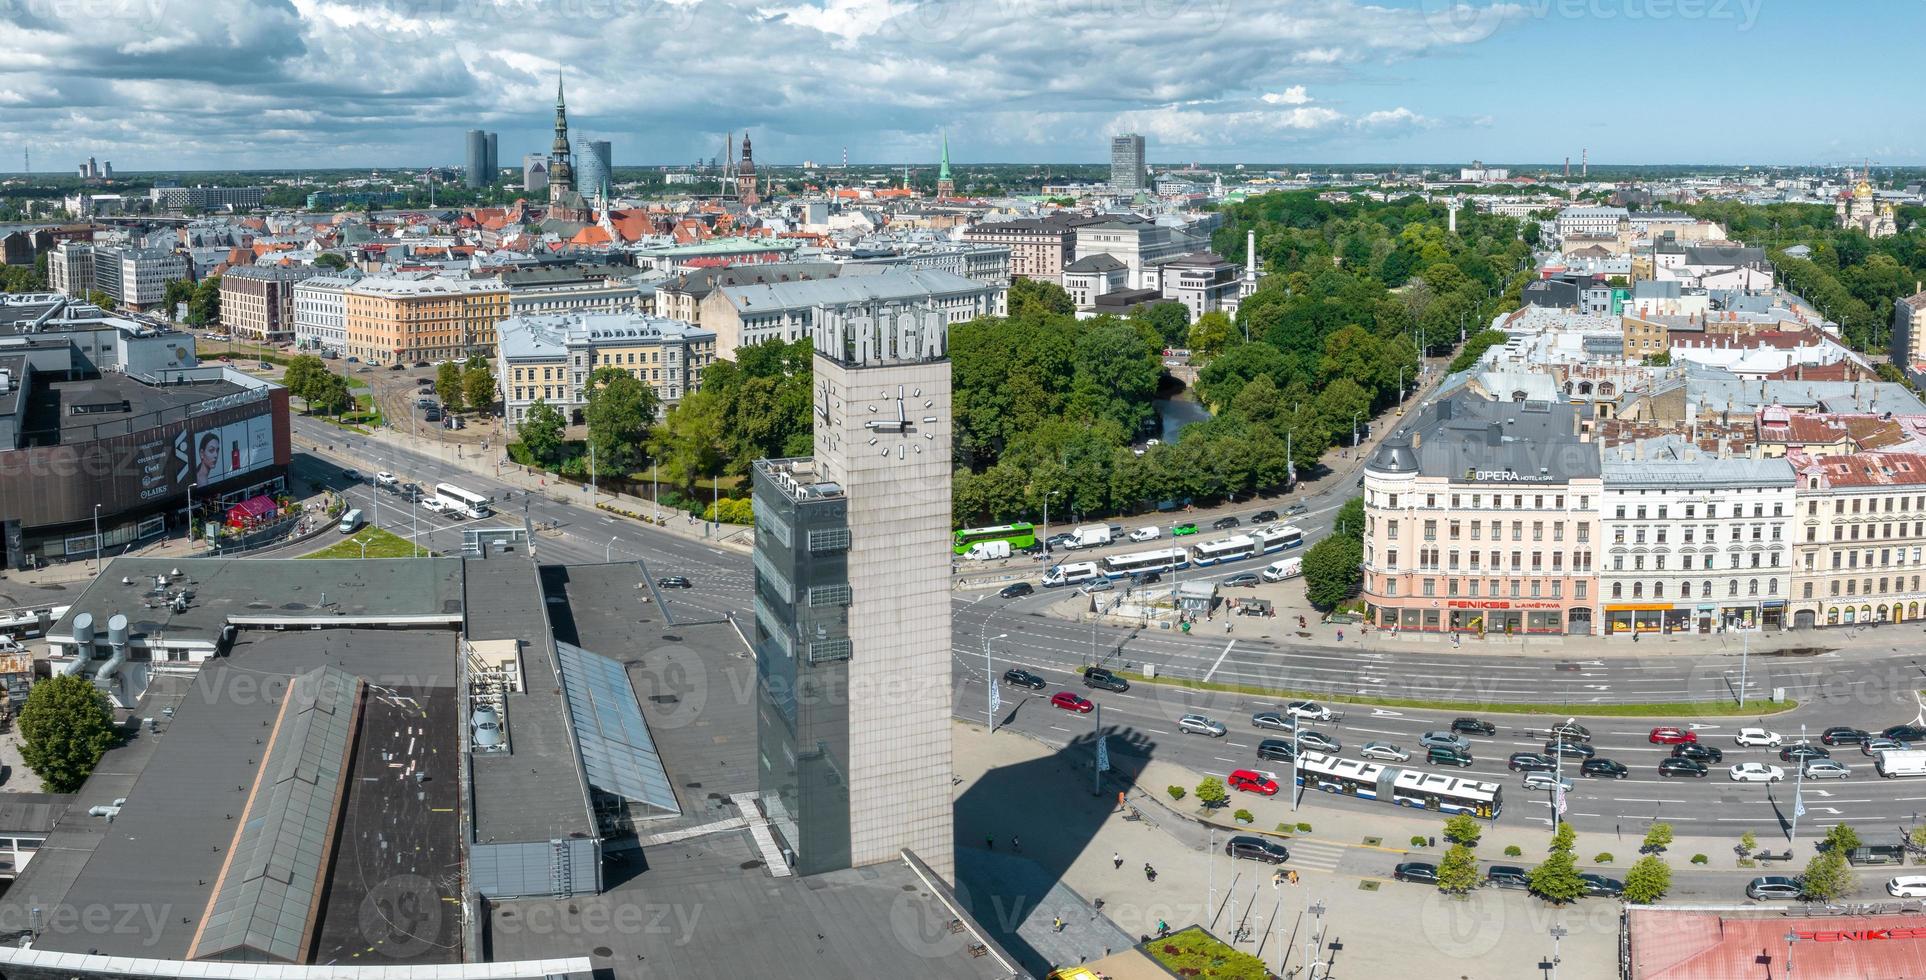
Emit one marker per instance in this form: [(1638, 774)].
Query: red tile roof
[(1672, 944), (1867, 469)]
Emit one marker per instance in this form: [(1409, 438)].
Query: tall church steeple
[(746, 175), (561, 172), (945, 187)]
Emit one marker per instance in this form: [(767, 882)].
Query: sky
[(263, 84)]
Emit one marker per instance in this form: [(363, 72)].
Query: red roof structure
[(1677, 944)]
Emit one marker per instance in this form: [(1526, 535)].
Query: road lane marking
[(1220, 660)]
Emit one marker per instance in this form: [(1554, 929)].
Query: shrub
[(1303, 828), (1659, 837), (1603, 857), (1243, 816), (1748, 842), (1463, 828), (1700, 859), (1417, 841), (1513, 850), (1648, 881), (1177, 793), (1211, 792)]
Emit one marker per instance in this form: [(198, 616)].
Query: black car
[(424, 382), (1570, 750), (421, 364), (1571, 732), (1472, 726), (1682, 767), (1225, 523), (1264, 517), (1101, 678), (1275, 750), (1604, 768), (1149, 578), (1801, 752), (1418, 871), (1256, 849), (1023, 678), (1906, 733), (396, 366), (1698, 752), (1017, 590), (1507, 876), (1055, 541), (1599, 886), (1245, 580), (1843, 735), (1530, 762), (674, 582)]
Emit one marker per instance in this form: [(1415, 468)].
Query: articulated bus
[(1405, 787), (1237, 547), (1277, 538), (1020, 535), (1161, 560), (467, 503)]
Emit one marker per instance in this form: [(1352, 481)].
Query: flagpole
[(1798, 791)]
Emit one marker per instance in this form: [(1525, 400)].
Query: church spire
[(943, 173), (561, 172)]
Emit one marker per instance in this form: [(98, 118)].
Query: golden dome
[(1863, 190)]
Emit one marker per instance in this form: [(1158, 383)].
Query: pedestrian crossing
[(1312, 855)]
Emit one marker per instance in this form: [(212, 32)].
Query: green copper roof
[(944, 174)]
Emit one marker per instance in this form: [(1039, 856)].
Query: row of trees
[(24, 278), (466, 385), (1556, 878), (203, 300), (324, 391)]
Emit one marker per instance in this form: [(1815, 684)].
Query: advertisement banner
[(231, 450)]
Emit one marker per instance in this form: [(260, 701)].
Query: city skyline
[(253, 84)]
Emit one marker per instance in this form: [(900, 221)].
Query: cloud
[(1295, 95), (1390, 120)]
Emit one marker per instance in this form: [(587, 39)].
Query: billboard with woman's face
[(235, 448)]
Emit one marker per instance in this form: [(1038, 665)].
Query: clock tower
[(852, 630)]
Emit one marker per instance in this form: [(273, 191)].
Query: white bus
[(1901, 762), (1282, 538), (1161, 560), (467, 503), (1071, 573), (1404, 787), (1237, 547)]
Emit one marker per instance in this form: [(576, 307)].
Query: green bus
[(1020, 536)]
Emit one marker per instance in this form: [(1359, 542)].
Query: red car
[(1070, 702), (1253, 782), (1673, 736)]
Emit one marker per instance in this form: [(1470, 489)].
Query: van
[(986, 550), (1278, 571), (351, 521), (1073, 573)]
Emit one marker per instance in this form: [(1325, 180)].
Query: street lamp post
[(1316, 944), (96, 539), (382, 465), (1557, 933), (989, 678), (190, 515), (1745, 649), (608, 550), (1046, 524), (1798, 790), (1791, 937), (1354, 429)]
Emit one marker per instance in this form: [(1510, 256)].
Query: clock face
[(898, 423)]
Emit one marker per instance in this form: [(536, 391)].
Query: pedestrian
[(1016, 843), (1056, 924), (1116, 860), (1163, 928), (989, 842), (1150, 873)]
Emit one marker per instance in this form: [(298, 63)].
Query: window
[(1578, 591), (829, 595), (1807, 590), (1685, 590)]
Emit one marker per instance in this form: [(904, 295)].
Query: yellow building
[(553, 359), (426, 319)]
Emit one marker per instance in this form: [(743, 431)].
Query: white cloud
[(1400, 119), (1295, 95)]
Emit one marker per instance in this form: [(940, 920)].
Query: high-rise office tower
[(852, 615), (1127, 174), (594, 167), (492, 167), (477, 166)]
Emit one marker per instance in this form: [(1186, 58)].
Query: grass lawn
[(381, 544), (1195, 953)]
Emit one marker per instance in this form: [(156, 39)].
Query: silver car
[(1444, 740), (1318, 740), (1272, 720), (1384, 752), (1200, 725), (1826, 769)]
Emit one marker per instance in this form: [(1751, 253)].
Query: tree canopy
[(65, 727)]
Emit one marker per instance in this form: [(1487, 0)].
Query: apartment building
[(1482, 517), (70, 269), (553, 358), (321, 311), (741, 315), (1861, 538), (1694, 542), (391, 320), (257, 301), (1039, 247)]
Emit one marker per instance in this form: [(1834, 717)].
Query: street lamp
[(1316, 942), (381, 464), (1354, 429), (96, 539), (1557, 933), (1046, 523), (608, 551), (989, 677), (1791, 937)]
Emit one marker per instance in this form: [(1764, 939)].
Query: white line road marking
[(1220, 660)]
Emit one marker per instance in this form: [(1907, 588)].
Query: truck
[(986, 550), (1089, 536), (1901, 762)]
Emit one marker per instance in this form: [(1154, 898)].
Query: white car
[(433, 505), (1384, 751), (1907, 886), (1826, 769), (1151, 533), (1308, 709), (1757, 772), (386, 479), (1759, 736), (1545, 781)]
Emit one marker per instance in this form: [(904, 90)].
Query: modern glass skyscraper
[(477, 163), (594, 168), (1127, 173)]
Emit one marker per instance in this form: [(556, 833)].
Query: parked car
[(1546, 781), (1308, 709), (1530, 762), (1844, 735), (1186, 528), (1825, 769), (1756, 772), (1767, 887), (1698, 752), (1603, 768), (1506, 876), (1276, 750), (1272, 720), (1682, 767), (1022, 678), (1759, 736), (1225, 523), (1318, 741), (1473, 726), (1256, 849), (1252, 781), (1599, 886), (1242, 580), (1146, 534), (674, 582), (1384, 752), (1200, 725), (1907, 886), (1802, 751), (1880, 743), (1016, 590), (1072, 702), (1570, 750), (1422, 872), (1264, 517), (1668, 735), (1444, 740), (1101, 678)]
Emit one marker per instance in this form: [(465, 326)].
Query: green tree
[(1841, 838), (176, 292), (304, 375), (1116, 376), (1475, 347), (620, 412), (1463, 828), (65, 727), (1211, 792), (448, 386), (1333, 571), (330, 260), (1168, 320), (478, 383), (1827, 877), (1458, 870), (1211, 335), (1564, 838), (1648, 880), (1349, 521), (1556, 877), (19, 279), (204, 310), (1661, 359), (1035, 297), (330, 395), (1748, 842), (689, 444), (1659, 837), (541, 432), (101, 299)]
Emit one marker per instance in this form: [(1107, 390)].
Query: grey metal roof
[(268, 898), (1463, 434), (1672, 461), (617, 753), (1099, 262), (551, 335), (891, 284)]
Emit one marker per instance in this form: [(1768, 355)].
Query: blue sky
[(155, 84)]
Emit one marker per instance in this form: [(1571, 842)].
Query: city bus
[(1404, 787), (1136, 563), (1020, 535), (1234, 548), (1277, 538), (467, 503)]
